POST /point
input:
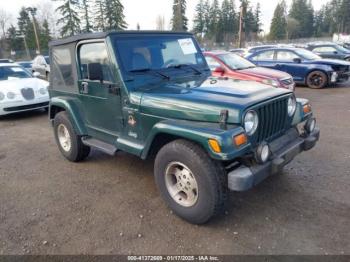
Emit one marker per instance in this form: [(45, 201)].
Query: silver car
[(41, 64)]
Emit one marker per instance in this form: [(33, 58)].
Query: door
[(285, 61), (100, 99), (265, 59)]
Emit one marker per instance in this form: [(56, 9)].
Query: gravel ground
[(110, 205)]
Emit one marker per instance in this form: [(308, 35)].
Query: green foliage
[(85, 6), (179, 21), (279, 22), (69, 17), (303, 12)]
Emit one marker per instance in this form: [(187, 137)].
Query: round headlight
[(43, 91), (292, 106), (2, 96), (11, 95), (251, 122)]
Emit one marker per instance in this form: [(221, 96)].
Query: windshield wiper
[(198, 72), (243, 68), (145, 70)]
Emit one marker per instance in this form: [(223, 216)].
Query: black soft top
[(92, 36)]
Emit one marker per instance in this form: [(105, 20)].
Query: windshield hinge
[(223, 119)]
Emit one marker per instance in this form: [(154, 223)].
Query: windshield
[(308, 55), (157, 52), (8, 72), (235, 62)]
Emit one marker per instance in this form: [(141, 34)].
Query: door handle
[(84, 87)]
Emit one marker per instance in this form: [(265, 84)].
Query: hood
[(330, 62), (265, 73), (204, 100)]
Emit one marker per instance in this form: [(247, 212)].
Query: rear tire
[(317, 80), (191, 183), (69, 143)]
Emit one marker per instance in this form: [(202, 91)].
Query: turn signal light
[(215, 146), (307, 108), (240, 140)]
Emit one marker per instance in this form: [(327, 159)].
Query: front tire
[(191, 183), (69, 143), (317, 80)]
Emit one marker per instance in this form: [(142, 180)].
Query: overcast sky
[(145, 12)]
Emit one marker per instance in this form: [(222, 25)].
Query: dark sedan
[(330, 50), (305, 67)]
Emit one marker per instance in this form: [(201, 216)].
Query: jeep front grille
[(273, 118)]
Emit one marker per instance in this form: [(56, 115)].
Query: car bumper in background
[(283, 151), (21, 106)]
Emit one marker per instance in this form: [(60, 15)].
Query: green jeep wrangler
[(151, 94)]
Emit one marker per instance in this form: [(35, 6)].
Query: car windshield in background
[(9, 72), (236, 62), (342, 49), (308, 55), (157, 53)]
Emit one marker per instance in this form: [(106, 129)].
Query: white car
[(20, 91)]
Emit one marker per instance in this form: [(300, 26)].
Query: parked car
[(255, 49), (305, 67), (330, 50), (3, 61), (236, 67), (26, 64), (41, 64), (20, 91), (152, 93)]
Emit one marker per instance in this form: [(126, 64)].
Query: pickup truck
[(151, 94)]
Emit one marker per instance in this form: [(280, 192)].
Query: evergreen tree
[(16, 43), (85, 6), (114, 15), (99, 21), (179, 21), (214, 23), (25, 28), (302, 11), (199, 24), (69, 17), (279, 23), (45, 35)]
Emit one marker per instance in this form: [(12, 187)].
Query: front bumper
[(22, 106), (283, 149)]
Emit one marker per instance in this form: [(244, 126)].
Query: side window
[(94, 53), (212, 63), (286, 56), (62, 69), (265, 56), (324, 49)]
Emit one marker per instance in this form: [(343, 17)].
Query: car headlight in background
[(292, 106), (11, 95), (271, 82), (2, 96), (43, 91), (251, 122)]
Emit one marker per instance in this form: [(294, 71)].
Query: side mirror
[(36, 74), (95, 71), (219, 70), (297, 60)]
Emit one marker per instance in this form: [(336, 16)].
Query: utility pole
[(240, 36), (25, 45), (32, 11)]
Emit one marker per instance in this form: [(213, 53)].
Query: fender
[(70, 105), (200, 133)]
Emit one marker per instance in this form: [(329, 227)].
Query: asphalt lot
[(110, 205)]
